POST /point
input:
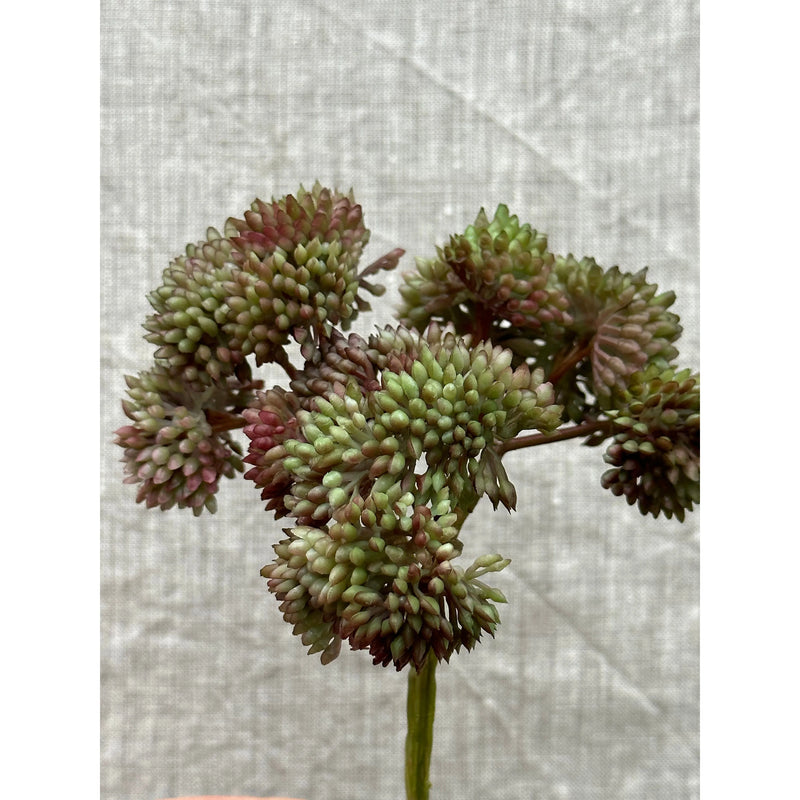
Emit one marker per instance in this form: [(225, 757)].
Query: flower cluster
[(497, 271), (289, 264), (288, 269), (380, 447), (393, 592), (592, 328), (656, 452), (172, 449), (618, 319), (269, 426), (434, 397), (379, 481)]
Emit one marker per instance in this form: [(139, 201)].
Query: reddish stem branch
[(573, 432), (570, 360), (222, 421), (282, 360), (483, 325)]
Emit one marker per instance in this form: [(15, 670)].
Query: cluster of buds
[(289, 264), (656, 451), (390, 588), (290, 267), (192, 311), (590, 330), (171, 448), (618, 318), (433, 397), (389, 473), (270, 426), (381, 447), (497, 271)]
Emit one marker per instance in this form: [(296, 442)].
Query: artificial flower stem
[(420, 709), (605, 426)]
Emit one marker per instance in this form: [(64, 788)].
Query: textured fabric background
[(583, 118)]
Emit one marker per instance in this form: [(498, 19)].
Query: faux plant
[(376, 449)]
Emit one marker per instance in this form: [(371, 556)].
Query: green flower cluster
[(591, 331), (403, 398), (497, 270), (291, 263), (379, 482), (288, 269), (591, 328), (396, 594), (656, 451), (381, 447), (171, 449), (618, 318)]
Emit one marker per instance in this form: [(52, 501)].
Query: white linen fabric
[(583, 118)]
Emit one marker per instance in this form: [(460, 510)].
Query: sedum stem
[(420, 710), (605, 426)]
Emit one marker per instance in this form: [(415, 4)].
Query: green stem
[(420, 710)]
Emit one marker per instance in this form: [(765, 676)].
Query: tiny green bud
[(338, 573), (332, 479), (337, 497), (359, 576), (419, 373)]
